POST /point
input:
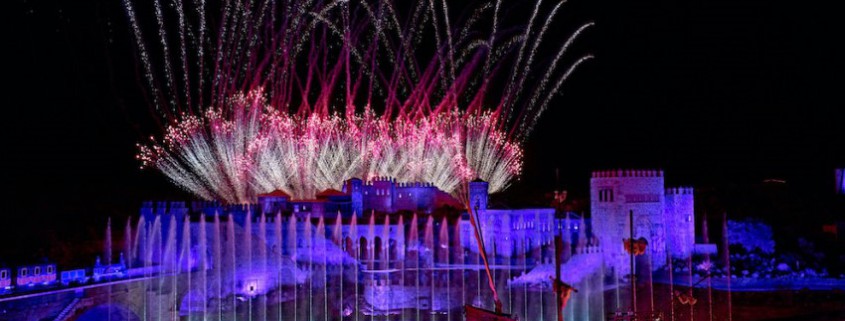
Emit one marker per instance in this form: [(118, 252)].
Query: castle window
[(606, 195), (23, 272), (37, 270), (3, 275)]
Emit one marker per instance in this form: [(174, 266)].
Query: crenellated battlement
[(380, 180), (415, 184), (613, 173), (681, 190)]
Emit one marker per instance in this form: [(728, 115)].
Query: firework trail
[(302, 95)]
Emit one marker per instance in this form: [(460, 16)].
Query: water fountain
[(238, 265)]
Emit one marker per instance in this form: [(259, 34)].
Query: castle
[(382, 194), (664, 216)]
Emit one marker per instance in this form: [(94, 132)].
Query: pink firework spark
[(303, 95)]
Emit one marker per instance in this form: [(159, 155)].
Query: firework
[(300, 96)]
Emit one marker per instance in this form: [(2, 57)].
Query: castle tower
[(613, 195), (415, 196), (380, 194), (680, 225), (354, 187), (478, 194)]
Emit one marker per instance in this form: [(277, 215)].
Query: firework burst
[(302, 95)]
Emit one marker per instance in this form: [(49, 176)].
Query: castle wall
[(311, 208), (271, 205), (508, 233), (416, 197), (379, 195)]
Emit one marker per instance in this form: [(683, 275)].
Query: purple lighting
[(209, 261)]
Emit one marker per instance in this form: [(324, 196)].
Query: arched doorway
[(362, 249)]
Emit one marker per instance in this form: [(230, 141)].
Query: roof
[(276, 193), (307, 201), (331, 192), (478, 180)]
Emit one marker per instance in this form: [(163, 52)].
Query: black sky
[(715, 92)]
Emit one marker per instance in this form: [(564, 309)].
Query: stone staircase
[(67, 311)]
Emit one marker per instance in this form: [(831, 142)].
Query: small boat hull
[(479, 314)]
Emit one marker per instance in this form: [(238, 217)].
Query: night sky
[(718, 93)]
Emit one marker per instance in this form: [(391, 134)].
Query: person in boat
[(686, 298), (563, 290)]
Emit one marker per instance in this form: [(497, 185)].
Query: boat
[(478, 314)]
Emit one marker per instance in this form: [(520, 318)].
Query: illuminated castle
[(382, 195), (663, 216)]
